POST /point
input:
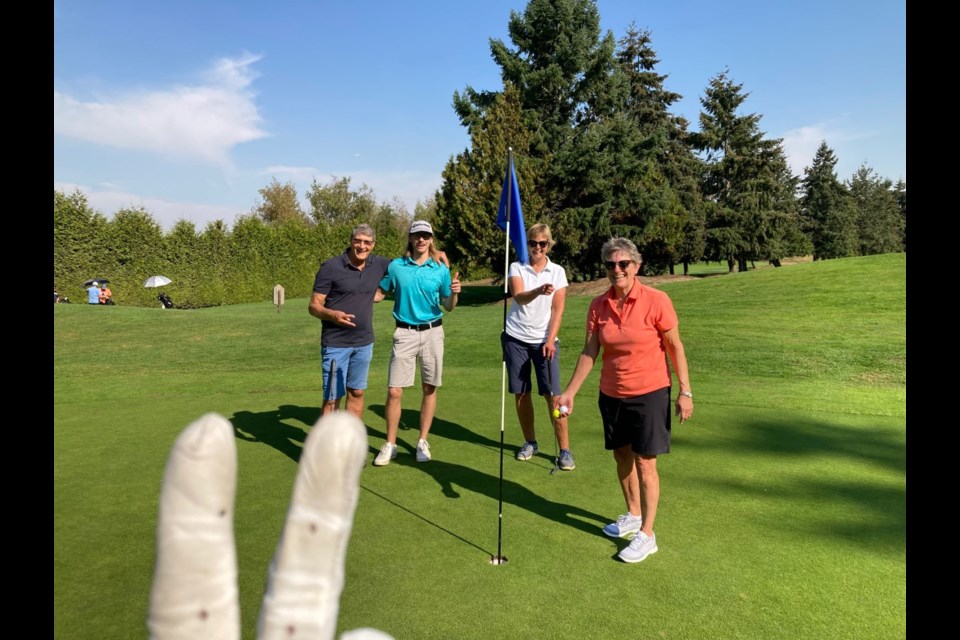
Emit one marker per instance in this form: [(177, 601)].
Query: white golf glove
[(194, 593)]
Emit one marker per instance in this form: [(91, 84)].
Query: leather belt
[(420, 327)]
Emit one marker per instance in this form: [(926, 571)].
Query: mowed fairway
[(783, 507)]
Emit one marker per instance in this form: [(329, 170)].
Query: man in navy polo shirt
[(344, 291), (422, 285)]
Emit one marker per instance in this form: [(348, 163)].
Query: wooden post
[(278, 294)]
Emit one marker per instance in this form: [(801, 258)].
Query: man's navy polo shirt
[(350, 290)]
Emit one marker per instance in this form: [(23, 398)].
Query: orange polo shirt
[(634, 358)]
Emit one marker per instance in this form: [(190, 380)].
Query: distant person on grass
[(344, 291), (423, 288), (539, 291), (636, 326), (93, 293), (106, 296)]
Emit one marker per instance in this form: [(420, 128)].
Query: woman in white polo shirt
[(530, 344)]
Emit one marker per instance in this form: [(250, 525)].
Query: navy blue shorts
[(642, 422), (523, 358)]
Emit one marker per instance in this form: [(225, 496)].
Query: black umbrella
[(97, 280)]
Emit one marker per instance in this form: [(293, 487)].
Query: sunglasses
[(543, 244), (422, 235), (623, 264)]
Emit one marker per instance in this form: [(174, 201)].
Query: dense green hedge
[(211, 267)]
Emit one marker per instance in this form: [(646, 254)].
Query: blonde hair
[(540, 230)]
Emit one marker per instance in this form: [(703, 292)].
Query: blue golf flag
[(510, 209)]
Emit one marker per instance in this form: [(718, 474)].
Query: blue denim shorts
[(352, 365)]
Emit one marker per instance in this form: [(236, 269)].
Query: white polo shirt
[(530, 323)]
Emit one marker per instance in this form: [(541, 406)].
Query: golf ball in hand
[(562, 411)]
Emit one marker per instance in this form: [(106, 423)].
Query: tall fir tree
[(558, 65), (745, 176), (677, 232), (900, 193), (879, 225), (466, 204), (827, 215)]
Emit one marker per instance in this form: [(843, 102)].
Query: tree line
[(275, 243), (597, 153)]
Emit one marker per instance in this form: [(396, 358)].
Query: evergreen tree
[(900, 193), (745, 176), (878, 220), (678, 237), (562, 70), (466, 204), (826, 212)]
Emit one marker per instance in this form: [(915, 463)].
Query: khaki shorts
[(410, 345)]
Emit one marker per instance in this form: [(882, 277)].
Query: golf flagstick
[(500, 558), (554, 422)]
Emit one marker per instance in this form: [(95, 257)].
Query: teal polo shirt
[(418, 289)]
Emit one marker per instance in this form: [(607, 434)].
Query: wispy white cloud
[(801, 144), (166, 213), (202, 122)]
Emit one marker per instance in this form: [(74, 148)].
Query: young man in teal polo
[(422, 289)]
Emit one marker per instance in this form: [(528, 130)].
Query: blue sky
[(188, 108)]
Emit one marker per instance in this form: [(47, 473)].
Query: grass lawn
[(783, 507)]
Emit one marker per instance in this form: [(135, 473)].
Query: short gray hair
[(624, 245), (363, 229)]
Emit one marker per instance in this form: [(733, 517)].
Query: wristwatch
[(689, 394)]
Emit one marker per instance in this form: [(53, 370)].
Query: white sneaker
[(423, 451), (639, 548), (624, 526), (387, 453)]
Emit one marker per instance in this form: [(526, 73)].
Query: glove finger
[(194, 592), (306, 574)]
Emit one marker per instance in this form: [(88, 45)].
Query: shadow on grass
[(269, 427), (823, 482), (430, 522), (452, 476), (410, 421), (800, 437)]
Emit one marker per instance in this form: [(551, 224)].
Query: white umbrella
[(156, 281)]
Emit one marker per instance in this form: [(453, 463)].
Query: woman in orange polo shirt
[(636, 328)]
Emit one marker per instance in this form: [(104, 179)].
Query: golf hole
[(498, 559)]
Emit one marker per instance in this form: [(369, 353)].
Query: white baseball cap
[(421, 226)]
